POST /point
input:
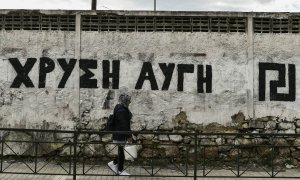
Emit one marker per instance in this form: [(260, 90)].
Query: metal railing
[(86, 153)]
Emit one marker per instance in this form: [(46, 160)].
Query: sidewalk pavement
[(134, 170)]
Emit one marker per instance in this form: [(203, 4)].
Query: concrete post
[(250, 67), (78, 56)]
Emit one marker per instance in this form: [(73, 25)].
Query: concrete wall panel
[(280, 49), (37, 107), (226, 53)]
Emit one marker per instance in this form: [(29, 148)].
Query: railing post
[(74, 155), (35, 153), (2, 147), (83, 160), (70, 160), (204, 160), (187, 160), (195, 156), (272, 156), (152, 166), (238, 161)]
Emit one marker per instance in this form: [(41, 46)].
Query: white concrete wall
[(233, 58)]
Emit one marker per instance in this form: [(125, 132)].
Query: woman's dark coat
[(122, 117)]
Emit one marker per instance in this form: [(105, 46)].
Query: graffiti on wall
[(280, 83), (111, 76), (168, 69)]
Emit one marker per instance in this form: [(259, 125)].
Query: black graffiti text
[(110, 74), (147, 74), (47, 65)]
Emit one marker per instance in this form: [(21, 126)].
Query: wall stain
[(45, 52), (146, 57), (9, 50), (107, 103)]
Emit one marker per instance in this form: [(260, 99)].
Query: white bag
[(130, 152)]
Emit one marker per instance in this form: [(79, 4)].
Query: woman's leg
[(120, 158)]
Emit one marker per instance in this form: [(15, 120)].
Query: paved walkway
[(136, 170), (58, 177)]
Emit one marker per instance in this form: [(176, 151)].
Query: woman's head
[(125, 99)]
